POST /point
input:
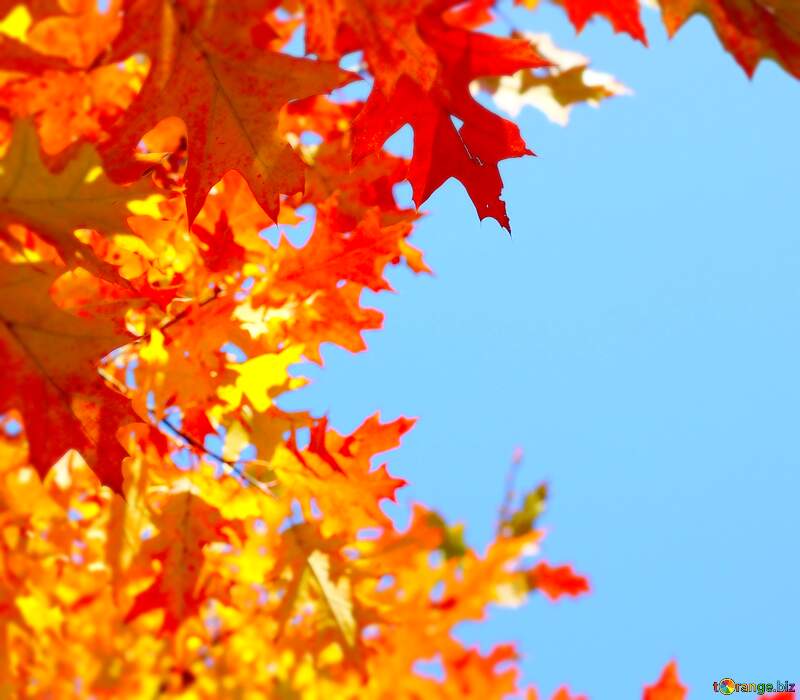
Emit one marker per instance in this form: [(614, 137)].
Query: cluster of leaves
[(166, 528)]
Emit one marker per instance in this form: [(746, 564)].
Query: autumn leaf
[(69, 106), (668, 686), (206, 70), (188, 212), (553, 90), (312, 294), (79, 31), (50, 359), (54, 204), (564, 694), (750, 29), (318, 585), (31, 11), (348, 192), (359, 256), (345, 461), (423, 66), (15, 52), (622, 14), (335, 595), (473, 669), (555, 581), (453, 544), (522, 520), (16, 56), (185, 525)]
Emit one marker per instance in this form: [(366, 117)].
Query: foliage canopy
[(166, 528)]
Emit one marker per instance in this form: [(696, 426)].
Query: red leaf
[(668, 686), (557, 581)]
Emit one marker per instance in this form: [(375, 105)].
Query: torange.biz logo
[(728, 686)]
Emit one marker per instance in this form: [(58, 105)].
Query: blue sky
[(638, 338)]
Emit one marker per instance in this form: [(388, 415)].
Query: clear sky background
[(638, 337)]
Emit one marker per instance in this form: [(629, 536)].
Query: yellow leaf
[(55, 204), (16, 23), (266, 376), (153, 352), (336, 596), (554, 90), (40, 615)]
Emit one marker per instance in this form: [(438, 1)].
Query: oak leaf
[(331, 458), (206, 70), (186, 523), (553, 90), (357, 187), (50, 362), (423, 66), (336, 595), (320, 590), (623, 15), (750, 29), (55, 203)]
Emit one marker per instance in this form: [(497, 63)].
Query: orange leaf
[(206, 70), (668, 686), (557, 581), (423, 67), (749, 29), (50, 365)]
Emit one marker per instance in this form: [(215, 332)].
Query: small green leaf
[(453, 544), (524, 520)]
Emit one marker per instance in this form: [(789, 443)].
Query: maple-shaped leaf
[(49, 359), (423, 66), (331, 458), (186, 523), (219, 249), (668, 686), (330, 256), (749, 29), (357, 187), (554, 90), (206, 70), (317, 288), (622, 14), (55, 203)]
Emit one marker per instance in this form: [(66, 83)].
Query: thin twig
[(226, 463), (179, 317), (509, 495)]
